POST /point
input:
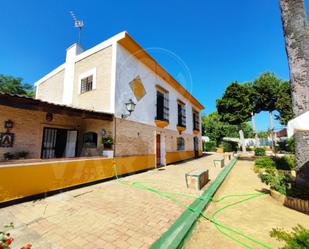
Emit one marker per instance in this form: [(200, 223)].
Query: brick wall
[(135, 138), (28, 128), (98, 99)]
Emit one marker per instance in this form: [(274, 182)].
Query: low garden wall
[(29, 179)]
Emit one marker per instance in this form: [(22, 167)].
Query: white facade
[(124, 68), (127, 69)]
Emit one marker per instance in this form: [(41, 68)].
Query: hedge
[(260, 152), (210, 146), (230, 146)]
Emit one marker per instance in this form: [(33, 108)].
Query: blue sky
[(217, 41)]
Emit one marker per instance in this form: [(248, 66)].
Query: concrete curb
[(175, 235)]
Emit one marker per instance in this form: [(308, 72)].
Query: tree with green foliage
[(212, 127), (284, 103), (216, 130), (266, 88), (235, 107), (14, 85), (263, 134)]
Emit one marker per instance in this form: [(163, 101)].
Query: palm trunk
[(296, 33), (257, 142), (271, 128), (242, 140)]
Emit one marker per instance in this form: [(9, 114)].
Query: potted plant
[(107, 142), (22, 154), (8, 156)]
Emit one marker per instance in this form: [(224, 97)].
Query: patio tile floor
[(105, 215)]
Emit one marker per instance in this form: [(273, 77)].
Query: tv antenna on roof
[(77, 24)]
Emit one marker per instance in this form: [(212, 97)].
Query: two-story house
[(113, 91), (165, 123)]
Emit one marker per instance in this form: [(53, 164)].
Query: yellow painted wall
[(22, 181), (178, 156), (134, 163)]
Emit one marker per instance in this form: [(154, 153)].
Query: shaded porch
[(42, 130)]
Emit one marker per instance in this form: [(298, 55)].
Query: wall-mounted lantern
[(130, 106), (49, 117), (8, 124)]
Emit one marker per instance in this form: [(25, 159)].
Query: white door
[(70, 147), (163, 152)]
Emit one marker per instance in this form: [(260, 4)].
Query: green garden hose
[(220, 227)]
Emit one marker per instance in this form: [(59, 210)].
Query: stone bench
[(197, 179), (228, 156), (219, 162)]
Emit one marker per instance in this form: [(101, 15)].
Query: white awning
[(299, 123)]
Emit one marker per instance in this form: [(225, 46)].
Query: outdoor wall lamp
[(130, 106), (8, 124)]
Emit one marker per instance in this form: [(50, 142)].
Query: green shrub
[(282, 163), (290, 147), (264, 163), (277, 181), (297, 239), (230, 146), (276, 149), (286, 145), (210, 146), (282, 145), (260, 152), (285, 163)]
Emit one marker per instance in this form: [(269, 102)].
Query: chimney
[(73, 51)]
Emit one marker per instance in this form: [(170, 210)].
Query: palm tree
[(296, 33)]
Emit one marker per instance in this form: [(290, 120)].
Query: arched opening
[(90, 140)]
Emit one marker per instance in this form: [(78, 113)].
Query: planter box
[(219, 163), (197, 179), (228, 156), (291, 202), (108, 153)]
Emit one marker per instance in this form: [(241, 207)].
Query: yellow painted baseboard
[(178, 156)]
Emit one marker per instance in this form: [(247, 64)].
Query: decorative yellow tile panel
[(138, 88)]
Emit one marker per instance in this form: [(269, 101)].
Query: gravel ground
[(255, 217)]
